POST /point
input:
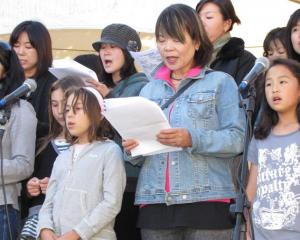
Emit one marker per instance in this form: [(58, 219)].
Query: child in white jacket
[(85, 190)]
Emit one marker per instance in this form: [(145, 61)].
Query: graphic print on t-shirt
[(278, 181)]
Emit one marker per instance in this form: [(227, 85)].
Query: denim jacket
[(209, 110)]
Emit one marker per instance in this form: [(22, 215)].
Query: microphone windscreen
[(31, 83), (264, 61)]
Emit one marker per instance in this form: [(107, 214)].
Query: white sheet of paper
[(148, 60), (68, 67), (140, 119)]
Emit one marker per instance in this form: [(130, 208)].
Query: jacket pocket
[(74, 206), (201, 105)]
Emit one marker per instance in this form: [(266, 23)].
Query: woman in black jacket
[(230, 56), (32, 43), (292, 36)]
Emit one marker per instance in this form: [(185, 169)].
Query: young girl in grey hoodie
[(85, 189)]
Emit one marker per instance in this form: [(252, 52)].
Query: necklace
[(176, 79)]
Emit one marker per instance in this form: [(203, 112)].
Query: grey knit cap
[(121, 35)]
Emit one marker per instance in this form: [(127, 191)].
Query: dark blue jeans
[(14, 218)]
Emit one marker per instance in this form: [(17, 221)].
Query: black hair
[(269, 117), (126, 70), (294, 18), (276, 34), (40, 40), (14, 74), (177, 19), (91, 61), (226, 9)]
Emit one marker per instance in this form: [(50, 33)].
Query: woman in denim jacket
[(186, 194)]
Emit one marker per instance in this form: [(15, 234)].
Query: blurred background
[(75, 24)]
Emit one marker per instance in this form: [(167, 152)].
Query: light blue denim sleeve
[(228, 139)]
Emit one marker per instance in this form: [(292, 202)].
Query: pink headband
[(98, 96)]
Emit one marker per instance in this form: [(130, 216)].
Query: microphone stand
[(4, 117), (242, 203)]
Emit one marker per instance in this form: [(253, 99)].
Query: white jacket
[(85, 195)]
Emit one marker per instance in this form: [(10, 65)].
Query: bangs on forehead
[(296, 21), (277, 43), (79, 94), (171, 25), (30, 33)]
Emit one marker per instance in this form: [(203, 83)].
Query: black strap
[(181, 90)]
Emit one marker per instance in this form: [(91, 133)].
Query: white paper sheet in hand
[(148, 60), (68, 67), (141, 119)]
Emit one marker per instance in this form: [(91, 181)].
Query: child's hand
[(33, 187), (47, 234), (71, 235), (129, 144), (44, 184)]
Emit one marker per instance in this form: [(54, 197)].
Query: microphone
[(29, 85), (261, 64)]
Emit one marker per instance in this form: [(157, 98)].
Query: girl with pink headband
[(86, 186)]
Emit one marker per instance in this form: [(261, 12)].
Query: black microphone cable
[(238, 178)]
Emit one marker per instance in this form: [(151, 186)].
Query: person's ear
[(197, 46), (227, 25)]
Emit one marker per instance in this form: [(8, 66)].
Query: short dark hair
[(276, 34), (100, 128), (40, 39), (177, 19), (91, 61), (13, 70), (294, 18), (226, 9), (269, 117)]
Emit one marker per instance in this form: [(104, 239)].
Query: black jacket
[(234, 59), (39, 101), (42, 168)]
